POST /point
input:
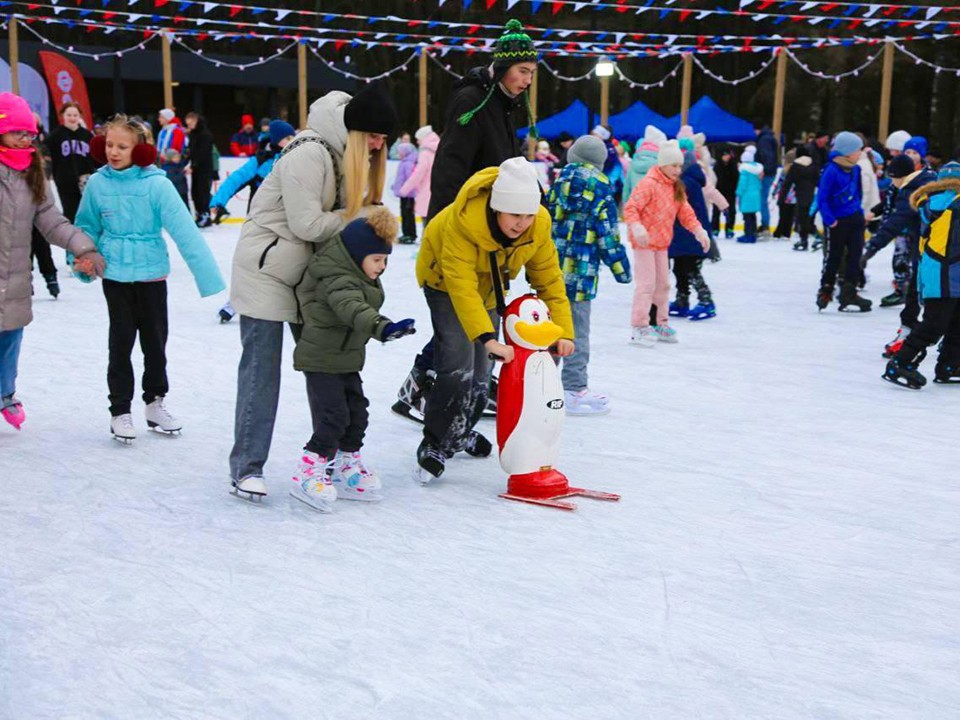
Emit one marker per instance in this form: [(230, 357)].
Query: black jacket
[(904, 219), (820, 155), (727, 178), (803, 179), (767, 154), (70, 158), (201, 148), (487, 140)]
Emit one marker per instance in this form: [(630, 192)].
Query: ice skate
[(749, 239), (800, 245), (226, 313), (703, 311), (906, 372), (817, 244), (679, 309), (251, 488), (411, 402), (121, 427), (665, 334), (893, 347), (477, 445), (431, 463), (824, 296), (584, 402), (897, 297), (13, 411), (849, 298), (160, 420), (204, 221), (312, 482), (53, 287), (407, 240), (643, 336), (352, 479), (948, 369)]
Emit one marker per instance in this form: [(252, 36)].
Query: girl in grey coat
[(24, 204)]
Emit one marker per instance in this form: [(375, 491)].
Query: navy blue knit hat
[(280, 130), (366, 236)]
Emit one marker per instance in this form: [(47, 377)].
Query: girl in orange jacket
[(655, 203)]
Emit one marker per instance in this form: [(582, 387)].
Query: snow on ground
[(786, 547)]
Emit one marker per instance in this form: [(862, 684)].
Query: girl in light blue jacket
[(126, 205)]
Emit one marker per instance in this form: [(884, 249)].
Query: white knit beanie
[(423, 132), (897, 139), (654, 135), (601, 132), (167, 114), (516, 189), (670, 154), (749, 154)]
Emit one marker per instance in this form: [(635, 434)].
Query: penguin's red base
[(548, 487)]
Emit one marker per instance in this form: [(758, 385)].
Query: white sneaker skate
[(584, 402), (251, 488), (121, 427), (643, 336), (666, 334), (353, 480), (312, 482), (160, 420)]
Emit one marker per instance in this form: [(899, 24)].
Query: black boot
[(948, 365), (477, 445), (897, 297), (411, 399), (800, 245), (432, 461), (849, 297), (904, 368), (53, 287), (824, 295)]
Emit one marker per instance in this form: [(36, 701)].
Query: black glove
[(868, 253), (397, 330), (220, 214)]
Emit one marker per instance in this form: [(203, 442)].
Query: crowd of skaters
[(316, 241)]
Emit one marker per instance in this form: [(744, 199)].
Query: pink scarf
[(16, 158)]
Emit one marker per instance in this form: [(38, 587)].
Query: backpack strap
[(303, 140), (496, 274)]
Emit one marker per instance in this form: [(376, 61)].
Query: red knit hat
[(15, 114), (246, 120)]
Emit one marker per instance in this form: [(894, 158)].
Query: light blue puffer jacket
[(124, 211)]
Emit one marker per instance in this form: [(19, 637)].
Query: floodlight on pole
[(604, 67)]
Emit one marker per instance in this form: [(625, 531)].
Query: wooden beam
[(604, 100), (779, 91), (302, 84), (531, 141), (886, 88), (422, 76), (14, 57), (167, 72), (687, 86)]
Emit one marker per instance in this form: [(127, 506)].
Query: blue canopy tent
[(575, 120), (713, 121), (630, 124)]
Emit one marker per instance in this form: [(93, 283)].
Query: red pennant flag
[(338, 44), (202, 36), (889, 10), (107, 16), (622, 8), (178, 19), (701, 40), (472, 29), (414, 23), (828, 7), (156, 3), (235, 10), (765, 4), (491, 3), (147, 34), (797, 18), (684, 14), (855, 23), (555, 7), (747, 42), (32, 7)]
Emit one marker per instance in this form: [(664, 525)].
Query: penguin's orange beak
[(541, 335)]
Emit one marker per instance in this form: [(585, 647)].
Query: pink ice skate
[(13, 413)]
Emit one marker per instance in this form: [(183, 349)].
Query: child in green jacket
[(338, 322)]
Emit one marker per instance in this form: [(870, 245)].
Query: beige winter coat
[(294, 209), (18, 215)]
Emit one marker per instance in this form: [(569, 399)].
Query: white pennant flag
[(808, 5), (321, 43), (281, 14), (922, 25), (932, 12), (108, 30), (131, 2), (511, 3), (200, 22), (619, 37), (564, 33), (57, 10), (871, 23), (208, 6), (380, 36), (872, 10), (745, 3), (671, 39), (577, 7), (704, 14), (816, 21), (133, 17), (440, 3)]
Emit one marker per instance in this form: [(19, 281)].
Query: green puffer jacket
[(342, 315)]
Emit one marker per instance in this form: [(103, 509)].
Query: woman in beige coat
[(323, 179), (24, 204)]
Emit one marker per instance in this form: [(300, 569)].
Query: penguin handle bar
[(497, 358)]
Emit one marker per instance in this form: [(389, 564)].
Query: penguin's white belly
[(535, 441)]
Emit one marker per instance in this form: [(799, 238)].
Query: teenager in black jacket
[(69, 147), (478, 133), (201, 167), (802, 177)]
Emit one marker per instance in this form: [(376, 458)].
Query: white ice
[(786, 546)]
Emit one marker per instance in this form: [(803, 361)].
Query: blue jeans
[(574, 372), (258, 394), (9, 357), (767, 184)]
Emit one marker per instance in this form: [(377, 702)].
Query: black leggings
[(847, 235), (687, 271)]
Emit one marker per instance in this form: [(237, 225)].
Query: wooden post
[(687, 86), (14, 56), (604, 100), (531, 141), (302, 83), (167, 72), (778, 93), (422, 76), (886, 88)]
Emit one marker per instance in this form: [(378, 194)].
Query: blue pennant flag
[(182, 7), (852, 9), (402, 37), (257, 10), (372, 20), (329, 18), (433, 23), (547, 33), (535, 5), (466, 4), (664, 13), (912, 11)]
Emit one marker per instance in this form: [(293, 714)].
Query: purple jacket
[(408, 161)]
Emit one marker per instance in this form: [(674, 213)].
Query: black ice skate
[(905, 371), (897, 297), (411, 399), (824, 296), (947, 372), (849, 298), (431, 462), (477, 445), (800, 245), (53, 287)]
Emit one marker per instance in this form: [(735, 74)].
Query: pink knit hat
[(685, 132), (15, 114)]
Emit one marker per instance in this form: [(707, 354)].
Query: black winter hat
[(361, 239), (900, 166), (372, 111)]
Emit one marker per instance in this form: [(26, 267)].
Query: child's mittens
[(398, 329), (638, 235), (703, 238)]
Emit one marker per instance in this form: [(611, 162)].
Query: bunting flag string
[(647, 86), (71, 50), (839, 76), (920, 61), (367, 79), (745, 78), (446, 68), (226, 63)]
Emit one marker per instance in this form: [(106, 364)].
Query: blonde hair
[(131, 124), (364, 173)]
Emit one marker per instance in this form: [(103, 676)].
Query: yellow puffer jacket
[(455, 252)]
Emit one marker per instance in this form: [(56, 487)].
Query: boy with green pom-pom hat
[(478, 132)]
